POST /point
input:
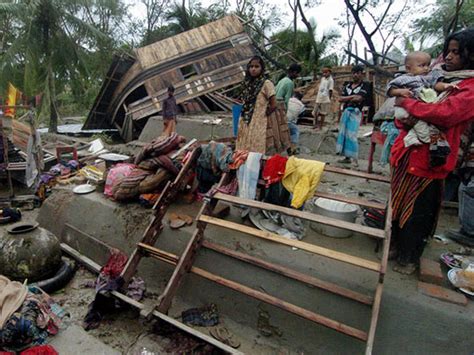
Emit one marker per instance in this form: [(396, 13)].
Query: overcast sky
[(327, 15)]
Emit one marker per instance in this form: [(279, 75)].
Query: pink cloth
[(119, 171)]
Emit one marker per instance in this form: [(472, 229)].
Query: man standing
[(285, 87), (284, 92), (322, 106)]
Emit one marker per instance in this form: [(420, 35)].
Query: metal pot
[(29, 252), (334, 209)]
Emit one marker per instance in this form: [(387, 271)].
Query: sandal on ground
[(224, 336), (345, 161)]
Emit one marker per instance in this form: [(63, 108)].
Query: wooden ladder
[(184, 263), (159, 209)]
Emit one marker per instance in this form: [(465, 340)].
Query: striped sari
[(405, 190)]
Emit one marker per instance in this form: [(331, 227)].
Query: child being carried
[(419, 83)]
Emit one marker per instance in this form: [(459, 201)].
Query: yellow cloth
[(12, 295), (302, 178)]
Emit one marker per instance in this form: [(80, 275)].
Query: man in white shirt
[(322, 106)]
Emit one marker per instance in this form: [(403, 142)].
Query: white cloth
[(325, 85), (295, 107)]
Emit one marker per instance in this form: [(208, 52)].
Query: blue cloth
[(236, 111), (392, 132), (347, 144), (466, 207), (248, 174), (294, 132)]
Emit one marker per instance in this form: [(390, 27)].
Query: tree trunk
[(53, 120), (312, 36)]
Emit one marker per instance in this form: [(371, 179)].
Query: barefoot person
[(170, 111), (417, 185), (322, 106)]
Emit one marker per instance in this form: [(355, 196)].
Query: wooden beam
[(333, 222), (95, 268), (304, 313), (351, 200), (355, 173), (272, 237), (295, 275)]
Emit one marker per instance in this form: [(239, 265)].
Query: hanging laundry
[(247, 176), (302, 178), (238, 158), (274, 169)]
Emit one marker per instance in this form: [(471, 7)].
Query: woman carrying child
[(416, 184)]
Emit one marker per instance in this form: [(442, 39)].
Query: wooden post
[(5, 155)]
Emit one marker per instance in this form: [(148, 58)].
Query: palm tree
[(184, 18), (49, 47)]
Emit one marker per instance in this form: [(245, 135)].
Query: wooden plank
[(187, 258), (379, 289), (160, 207), (295, 275), (333, 222), (95, 268), (332, 254), (355, 173), (351, 200), (304, 313)]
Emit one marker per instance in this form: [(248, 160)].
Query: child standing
[(323, 99), (170, 111), (419, 83)]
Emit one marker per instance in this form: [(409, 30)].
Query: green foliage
[(438, 22)]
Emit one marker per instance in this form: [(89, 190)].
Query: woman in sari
[(259, 101), (416, 185)]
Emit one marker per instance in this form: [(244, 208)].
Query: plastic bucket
[(236, 111), (334, 209)]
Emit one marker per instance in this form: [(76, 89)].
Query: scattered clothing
[(206, 316), (40, 350), (247, 176), (108, 280), (31, 324), (274, 169), (215, 157), (12, 295), (14, 214), (238, 158), (347, 144), (136, 288), (116, 173), (302, 178), (159, 146), (231, 188), (276, 194)]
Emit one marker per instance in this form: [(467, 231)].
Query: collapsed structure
[(197, 63)]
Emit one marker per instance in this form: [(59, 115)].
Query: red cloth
[(115, 264), (274, 169), (451, 115), (40, 350)]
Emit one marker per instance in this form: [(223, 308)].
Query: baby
[(419, 83)]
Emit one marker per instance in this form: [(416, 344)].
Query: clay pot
[(29, 252)]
